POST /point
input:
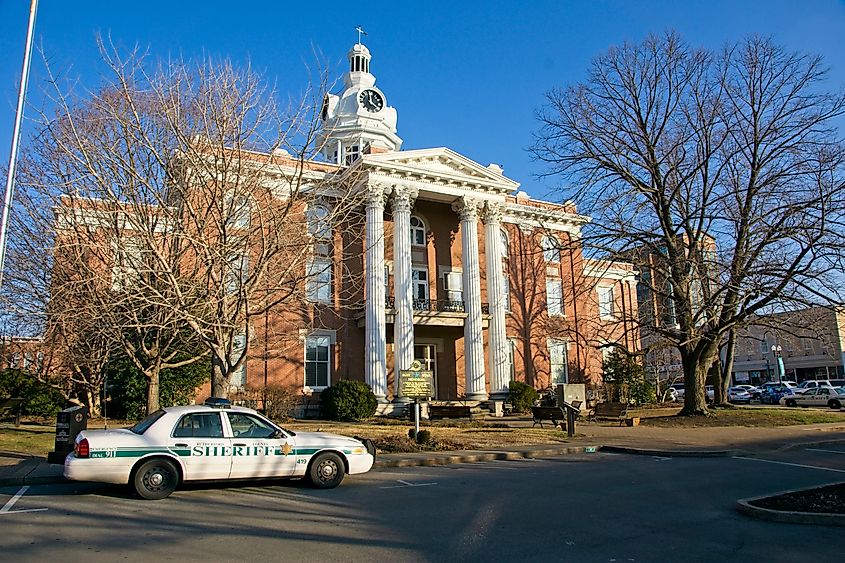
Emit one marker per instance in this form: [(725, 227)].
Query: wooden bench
[(11, 407), (616, 411), (555, 414), (449, 411)]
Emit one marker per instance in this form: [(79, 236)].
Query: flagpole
[(13, 157)]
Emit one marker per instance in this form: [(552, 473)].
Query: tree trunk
[(92, 401), (219, 379), (696, 366), (153, 387), (728, 365)]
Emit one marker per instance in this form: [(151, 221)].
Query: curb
[(666, 453), (744, 506)]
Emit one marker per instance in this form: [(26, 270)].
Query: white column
[(497, 354), (473, 340), (403, 320), (375, 354)]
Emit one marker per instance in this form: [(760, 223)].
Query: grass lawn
[(392, 435)]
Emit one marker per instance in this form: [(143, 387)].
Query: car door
[(198, 438), (259, 449), (822, 396)]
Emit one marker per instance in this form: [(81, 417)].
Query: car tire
[(834, 404), (791, 403), (326, 471), (156, 479)]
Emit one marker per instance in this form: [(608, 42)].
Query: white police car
[(212, 442)]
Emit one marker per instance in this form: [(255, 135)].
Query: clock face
[(371, 100)]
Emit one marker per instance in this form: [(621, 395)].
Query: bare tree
[(184, 197), (725, 169)]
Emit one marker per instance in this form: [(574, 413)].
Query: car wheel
[(834, 404), (326, 471), (791, 403), (156, 479)]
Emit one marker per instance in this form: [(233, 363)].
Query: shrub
[(424, 437), (39, 398), (629, 384), (412, 434), (275, 401), (348, 400), (522, 396)]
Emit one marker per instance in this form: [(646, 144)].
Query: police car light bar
[(218, 402)]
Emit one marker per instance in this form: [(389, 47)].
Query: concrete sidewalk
[(20, 469)]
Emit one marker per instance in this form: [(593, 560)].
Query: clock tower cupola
[(358, 120)]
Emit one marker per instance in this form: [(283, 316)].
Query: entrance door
[(427, 356)]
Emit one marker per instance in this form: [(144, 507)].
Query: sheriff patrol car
[(214, 441)]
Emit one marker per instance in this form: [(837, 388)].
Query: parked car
[(709, 393), (805, 386), (738, 395), (772, 393), (832, 397), (679, 391), (214, 441), (752, 390)]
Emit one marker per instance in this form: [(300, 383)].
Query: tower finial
[(361, 32)]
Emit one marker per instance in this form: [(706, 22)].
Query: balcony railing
[(437, 305)]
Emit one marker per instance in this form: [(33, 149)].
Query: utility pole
[(13, 157)]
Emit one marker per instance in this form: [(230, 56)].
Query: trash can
[(69, 423)]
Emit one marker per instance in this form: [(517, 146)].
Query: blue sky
[(467, 75)]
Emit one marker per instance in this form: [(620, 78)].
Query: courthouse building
[(460, 270)]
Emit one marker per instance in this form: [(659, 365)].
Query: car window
[(248, 426), (199, 425), (824, 391), (143, 425)]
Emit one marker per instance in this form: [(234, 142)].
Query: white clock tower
[(359, 119)]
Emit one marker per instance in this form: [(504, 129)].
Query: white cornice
[(554, 220)]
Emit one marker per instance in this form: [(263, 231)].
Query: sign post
[(416, 384)]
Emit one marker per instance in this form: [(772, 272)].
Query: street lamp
[(776, 353)]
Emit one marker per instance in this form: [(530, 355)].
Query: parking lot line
[(788, 463), (825, 451), (7, 508)]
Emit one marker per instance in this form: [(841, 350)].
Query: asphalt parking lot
[(585, 507)]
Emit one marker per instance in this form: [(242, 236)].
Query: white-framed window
[(605, 302), (237, 270), (238, 378), (558, 367), (237, 210), (551, 249), (128, 256), (353, 153), (318, 361), (606, 353), (453, 283), (512, 358), (419, 283), (417, 231), (319, 225), (506, 292), (319, 282), (554, 297), (503, 237), (764, 347)]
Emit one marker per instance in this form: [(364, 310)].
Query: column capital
[(403, 198), (467, 208), (376, 196), (492, 213)]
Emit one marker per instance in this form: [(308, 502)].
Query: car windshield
[(145, 424)]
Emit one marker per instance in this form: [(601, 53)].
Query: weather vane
[(361, 32)]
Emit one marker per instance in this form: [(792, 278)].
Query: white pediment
[(444, 164)]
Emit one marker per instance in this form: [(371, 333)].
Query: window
[(764, 347), (512, 358), (605, 302), (353, 152), (128, 262), (250, 426), (453, 282), (420, 284), (237, 210), (317, 362), (554, 297), (237, 270), (319, 225), (238, 378), (670, 318), (319, 283), (198, 425), (417, 231), (557, 361), (506, 292), (503, 237), (606, 353), (551, 250)]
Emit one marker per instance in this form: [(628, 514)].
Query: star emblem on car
[(287, 448)]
